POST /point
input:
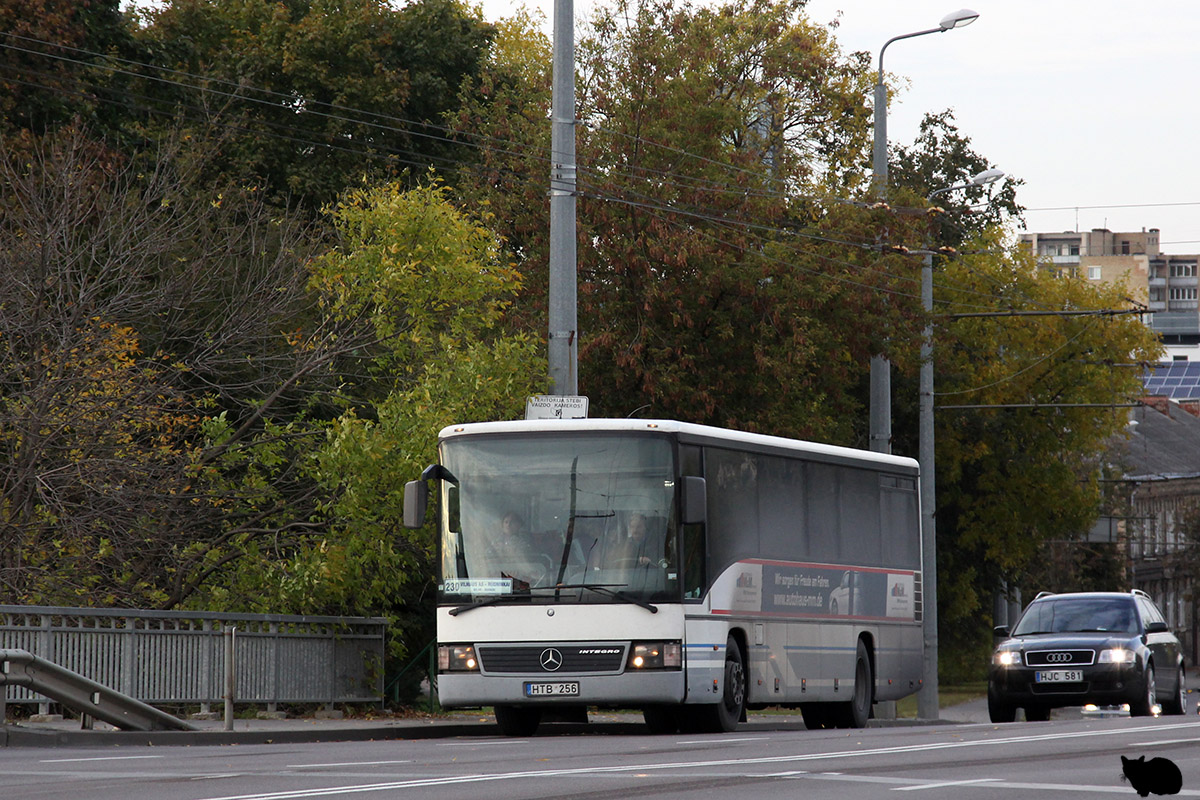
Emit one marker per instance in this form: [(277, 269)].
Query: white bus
[(689, 571)]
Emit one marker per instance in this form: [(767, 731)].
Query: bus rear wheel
[(517, 720), (855, 712)]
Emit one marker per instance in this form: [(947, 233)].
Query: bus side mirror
[(693, 500), (416, 498)]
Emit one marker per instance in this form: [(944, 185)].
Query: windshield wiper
[(604, 588), (491, 601)]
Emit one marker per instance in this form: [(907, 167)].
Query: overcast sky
[(1091, 102)]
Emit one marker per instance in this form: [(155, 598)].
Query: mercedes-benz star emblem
[(551, 659)]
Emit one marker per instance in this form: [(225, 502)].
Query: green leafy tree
[(307, 97), (715, 269), (941, 157), (52, 63), (433, 285), (1020, 465)]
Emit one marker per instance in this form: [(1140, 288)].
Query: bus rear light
[(457, 658), (655, 655)]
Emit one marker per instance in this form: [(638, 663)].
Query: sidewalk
[(68, 732)]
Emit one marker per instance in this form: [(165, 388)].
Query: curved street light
[(955, 19), (880, 401)]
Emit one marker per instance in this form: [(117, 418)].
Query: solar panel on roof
[(1179, 380)]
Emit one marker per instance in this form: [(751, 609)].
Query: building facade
[(1167, 284), (1160, 463)]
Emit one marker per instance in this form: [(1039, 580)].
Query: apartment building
[(1167, 284)]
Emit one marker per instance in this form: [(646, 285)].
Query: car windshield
[(546, 518), (1078, 614)]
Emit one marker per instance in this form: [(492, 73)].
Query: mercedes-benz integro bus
[(689, 571)]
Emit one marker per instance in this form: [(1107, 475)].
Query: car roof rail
[(1140, 592), (1043, 594)]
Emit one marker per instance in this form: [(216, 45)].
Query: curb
[(16, 735), (20, 736)]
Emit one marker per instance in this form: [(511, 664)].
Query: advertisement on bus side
[(815, 590)]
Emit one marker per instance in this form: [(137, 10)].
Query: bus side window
[(694, 580)]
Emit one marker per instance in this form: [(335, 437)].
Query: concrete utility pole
[(927, 698), (563, 350)]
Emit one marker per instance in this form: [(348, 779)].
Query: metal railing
[(177, 657)]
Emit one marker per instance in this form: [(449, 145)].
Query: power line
[(1116, 205), (1100, 312)]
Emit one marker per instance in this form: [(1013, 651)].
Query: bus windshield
[(584, 517)]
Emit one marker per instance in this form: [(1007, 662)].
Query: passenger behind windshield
[(513, 555), (1077, 616)]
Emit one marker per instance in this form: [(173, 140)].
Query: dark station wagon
[(1102, 648)]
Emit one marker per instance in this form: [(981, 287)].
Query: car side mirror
[(1157, 627), (1001, 631)]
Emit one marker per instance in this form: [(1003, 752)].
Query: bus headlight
[(655, 655), (457, 658)]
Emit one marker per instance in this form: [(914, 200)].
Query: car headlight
[(1117, 655), (655, 655), (1008, 658), (457, 658)]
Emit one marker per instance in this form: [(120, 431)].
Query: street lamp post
[(881, 376), (563, 343), (927, 698)]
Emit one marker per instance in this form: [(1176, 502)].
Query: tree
[(1020, 465), (433, 283), (151, 330), (52, 58), (714, 268), (942, 157), (307, 97)]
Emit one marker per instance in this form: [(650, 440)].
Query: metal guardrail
[(177, 657), (19, 668)]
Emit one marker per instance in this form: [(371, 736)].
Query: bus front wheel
[(724, 715)]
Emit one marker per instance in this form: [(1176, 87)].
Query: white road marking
[(942, 784), (719, 740), (345, 764), (693, 765), (1165, 741), (96, 758)]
